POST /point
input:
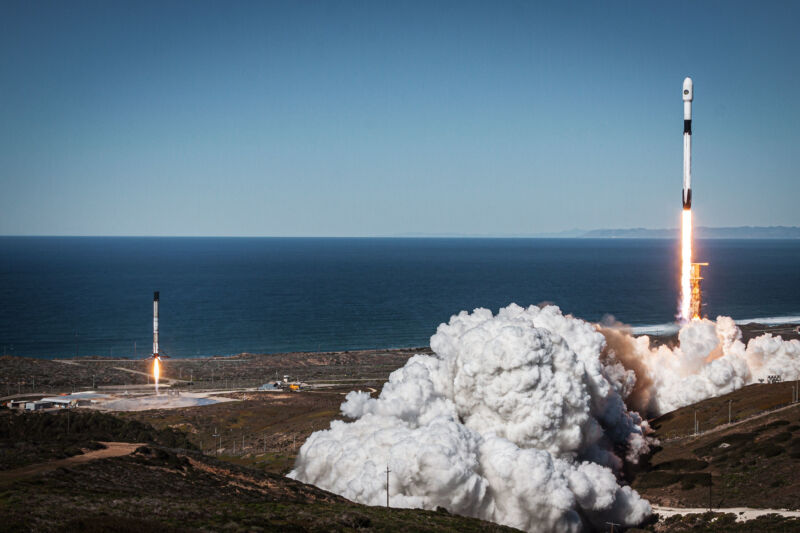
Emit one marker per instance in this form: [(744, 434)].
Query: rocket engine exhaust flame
[(686, 266), (156, 371)]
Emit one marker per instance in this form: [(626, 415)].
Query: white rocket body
[(155, 324), (688, 94)]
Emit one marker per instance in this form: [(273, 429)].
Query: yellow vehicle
[(294, 386)]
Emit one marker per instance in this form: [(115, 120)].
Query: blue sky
[(386, 118)]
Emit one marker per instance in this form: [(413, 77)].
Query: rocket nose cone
[(688, 89)]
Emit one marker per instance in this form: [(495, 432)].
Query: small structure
[(61, 401), (38, 405), (77, 399)]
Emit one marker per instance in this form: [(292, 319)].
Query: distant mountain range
[(701, 232)]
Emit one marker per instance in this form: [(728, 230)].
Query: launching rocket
[(688, 93)]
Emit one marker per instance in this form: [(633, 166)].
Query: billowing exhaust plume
[(524, 418), (710, 360), (515, 419)]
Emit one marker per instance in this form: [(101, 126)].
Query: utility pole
[(710, 483), (611, 525), (387, 485), (216, 435), (695, 422), (729, 411)]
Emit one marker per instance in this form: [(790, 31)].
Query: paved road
[(742, 513), (113, 449)]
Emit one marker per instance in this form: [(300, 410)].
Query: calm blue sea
[(93, 295)]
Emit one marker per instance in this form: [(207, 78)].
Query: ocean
[(68, 296)]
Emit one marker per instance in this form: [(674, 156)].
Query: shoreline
[(35, 375), (108, 358), (663, 333)]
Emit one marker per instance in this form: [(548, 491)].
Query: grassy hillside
[(752, 462), (263, 429), (159, 489), (27, 438)]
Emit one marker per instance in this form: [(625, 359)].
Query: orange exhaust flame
[(684, 313), (156, 372)]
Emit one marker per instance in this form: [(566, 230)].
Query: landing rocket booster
[(688, 93), (156, 353), (155, 324)]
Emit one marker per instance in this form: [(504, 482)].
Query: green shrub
[(781, 437), (689, 481), (682, 464), (657, 479), (767, 449), (734, 441)]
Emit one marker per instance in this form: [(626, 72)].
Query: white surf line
[(742, 513), (771, 320), (655, 329), (673, 327)]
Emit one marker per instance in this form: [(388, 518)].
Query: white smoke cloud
[(710, 360), (514, 420), (524, 418)]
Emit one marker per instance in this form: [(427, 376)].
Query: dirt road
[(112, 449), (742, 513), (723, 427)]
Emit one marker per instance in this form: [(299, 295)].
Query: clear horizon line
[(575, 233)]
